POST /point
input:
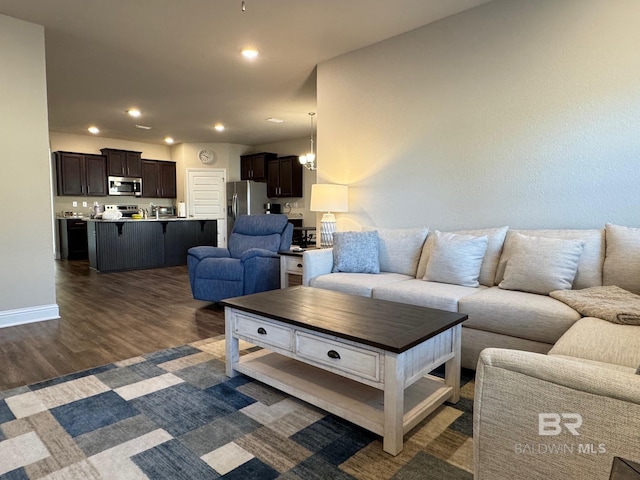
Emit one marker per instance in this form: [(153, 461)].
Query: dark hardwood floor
[(106, 317)]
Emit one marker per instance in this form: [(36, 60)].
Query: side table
[(291, 263)]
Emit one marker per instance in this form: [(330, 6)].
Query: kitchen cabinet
[(139, 244), (254, 166), (81, 174), (158, 179), (284, 177), (123, 163)]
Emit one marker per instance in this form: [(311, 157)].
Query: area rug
[(174, 414)]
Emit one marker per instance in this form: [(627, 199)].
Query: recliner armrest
[(257, 252), (209, 252)]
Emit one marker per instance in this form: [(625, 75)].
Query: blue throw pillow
[(356, 252)]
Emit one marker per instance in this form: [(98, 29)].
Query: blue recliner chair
[(249, 265)]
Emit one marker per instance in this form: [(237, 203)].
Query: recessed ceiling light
[(134, 112), (143, 127), (219, 127), (169, 140), (250, 53), (275, 120), (93, 129)]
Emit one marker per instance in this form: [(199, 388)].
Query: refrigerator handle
[(234, 206)]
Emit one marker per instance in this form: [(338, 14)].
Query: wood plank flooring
[(106, 317)]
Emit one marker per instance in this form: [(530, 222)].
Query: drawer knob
[(262, 331), (299, 265), (333, 354)]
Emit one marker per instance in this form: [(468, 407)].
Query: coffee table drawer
[(264, 332), (339, 356)]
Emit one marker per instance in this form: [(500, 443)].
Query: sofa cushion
[(400, 248), (495, 237), (425, 294), (596, 339), (590, 266), (456, 259), (608, 366), (356, 283), (622, 261), (541, 265), (356, 252), (524, 315), (610, 303)]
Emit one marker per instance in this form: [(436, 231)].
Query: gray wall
[(518, 112), (27, 288)]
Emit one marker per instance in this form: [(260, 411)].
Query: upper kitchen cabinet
[(123, 163), (81, 174), (254, 166), (158, 179), (284, 177)]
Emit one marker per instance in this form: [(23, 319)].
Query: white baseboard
[(20, 316)]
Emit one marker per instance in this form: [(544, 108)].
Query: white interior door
[(206, 197)]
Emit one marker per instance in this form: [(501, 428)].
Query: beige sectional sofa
[(542, 366), (526, 403), (498, 317)]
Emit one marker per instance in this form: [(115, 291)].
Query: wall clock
[(207, 156)]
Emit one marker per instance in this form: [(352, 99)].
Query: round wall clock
[(207, 156)]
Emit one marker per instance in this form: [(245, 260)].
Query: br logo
[(552, 423)]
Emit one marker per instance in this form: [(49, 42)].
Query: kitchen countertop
[(161, 219)]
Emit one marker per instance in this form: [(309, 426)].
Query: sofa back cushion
[(622, 260), (589, 272), (400, 248), (495, 240)]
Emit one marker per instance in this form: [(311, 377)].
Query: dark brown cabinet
[(254, 166), (284, 177), (81, 174), (158, 179), (123, 163)]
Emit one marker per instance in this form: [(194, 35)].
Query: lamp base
[(327, 228)]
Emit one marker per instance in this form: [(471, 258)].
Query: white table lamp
[(327, 197)]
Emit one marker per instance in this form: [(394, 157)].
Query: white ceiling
[(179, 61)]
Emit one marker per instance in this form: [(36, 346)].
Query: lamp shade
[(327, 197)]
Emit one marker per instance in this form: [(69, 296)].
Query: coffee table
[(362, 359)]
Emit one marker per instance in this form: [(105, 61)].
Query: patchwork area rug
[(174, 414)]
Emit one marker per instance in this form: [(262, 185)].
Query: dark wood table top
[(391, 326)]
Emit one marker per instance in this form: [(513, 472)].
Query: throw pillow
[(622, 259), (610, 303), (456, 259), (399, 249), (495, 238), (541, 265), (356, 252)]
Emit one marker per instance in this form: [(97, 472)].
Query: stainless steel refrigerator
[(244, 198)]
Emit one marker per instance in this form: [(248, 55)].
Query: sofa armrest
[(257, 252), (316, 262), (526, 405), (205, 251)]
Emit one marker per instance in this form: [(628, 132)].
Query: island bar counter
[(126, 244)]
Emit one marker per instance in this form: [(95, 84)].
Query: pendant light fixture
[(309, 160)]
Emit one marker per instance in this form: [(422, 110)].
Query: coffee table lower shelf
[(351, 400)]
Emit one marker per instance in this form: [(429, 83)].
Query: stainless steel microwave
[(131, 186)]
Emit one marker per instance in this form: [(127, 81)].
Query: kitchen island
[(130, 244)]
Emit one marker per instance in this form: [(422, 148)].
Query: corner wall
[(517, 112), (27, 287)]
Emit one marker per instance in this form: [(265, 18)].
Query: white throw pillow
[(622, 260), (400, 248), (541, 265), (489, 267), (456, 259)]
